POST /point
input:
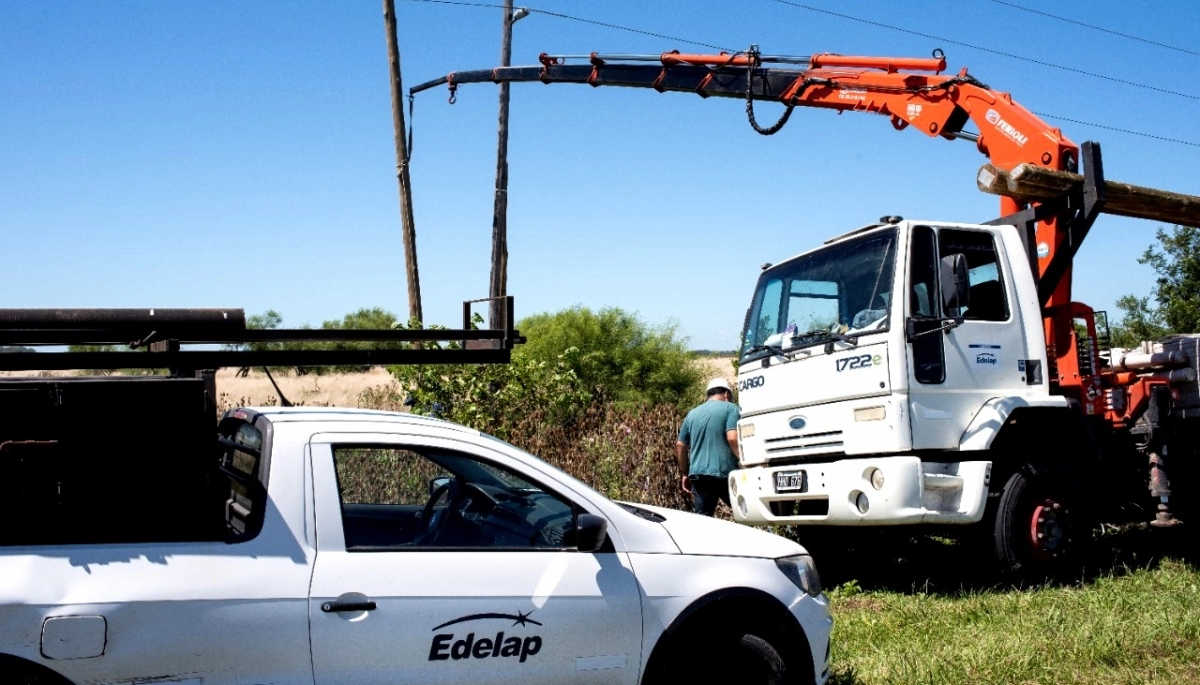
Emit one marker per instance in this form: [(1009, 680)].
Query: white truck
[(901, 375), (926, 372), (143, 542)]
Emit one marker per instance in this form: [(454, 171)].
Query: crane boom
[(911, 92), (899, 88)]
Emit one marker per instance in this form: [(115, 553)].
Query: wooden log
[(1030, 176), (995, 181), (1030, 183)]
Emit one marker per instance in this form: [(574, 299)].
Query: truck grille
[(794, 446)]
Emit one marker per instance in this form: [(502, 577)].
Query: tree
[(494, 398), (375, 318), (1140, 322), (1176, 260), (1178, 285), (615, 355), (572, 360)]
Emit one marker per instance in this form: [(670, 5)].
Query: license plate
[(790, 481)]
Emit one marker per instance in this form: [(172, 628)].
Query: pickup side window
[(395, 498)]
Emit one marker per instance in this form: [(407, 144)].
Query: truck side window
[(986, 300), (928, 353), (393, 498)]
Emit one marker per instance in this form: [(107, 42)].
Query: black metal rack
[(159, 338)]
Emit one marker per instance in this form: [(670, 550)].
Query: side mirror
[(591, 532), (435, 483), (954, 281)]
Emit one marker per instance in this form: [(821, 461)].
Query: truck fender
[(994, 413)]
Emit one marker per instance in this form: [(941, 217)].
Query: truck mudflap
[(872, 491)]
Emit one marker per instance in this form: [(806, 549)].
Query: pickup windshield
[(836, 293)]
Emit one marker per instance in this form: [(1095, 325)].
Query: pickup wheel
[(757, 661), (730, 656), (1038, 530), (14, 671)]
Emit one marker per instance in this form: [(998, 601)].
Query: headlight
[(801, 570)]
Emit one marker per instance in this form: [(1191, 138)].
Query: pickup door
[(442, 561)]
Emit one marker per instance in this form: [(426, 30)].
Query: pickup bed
[(334, 546)]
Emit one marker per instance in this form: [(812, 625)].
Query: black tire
[(1039, 528), (729, 657), (14, 671), (761, 662)]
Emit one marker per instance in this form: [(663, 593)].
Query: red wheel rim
[(1048, 530)]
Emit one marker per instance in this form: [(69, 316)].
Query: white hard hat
[(718, 384)]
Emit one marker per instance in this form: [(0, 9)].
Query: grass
[(1132, 616)]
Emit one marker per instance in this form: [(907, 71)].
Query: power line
[(593, 22), (631, 30), (464, 3), (990, 50), (1119, 130), (1097, 28)]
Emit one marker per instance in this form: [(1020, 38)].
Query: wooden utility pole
[(499, 279), (1031, 183), (408, 229)]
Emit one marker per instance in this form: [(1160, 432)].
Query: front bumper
[(911, 491)]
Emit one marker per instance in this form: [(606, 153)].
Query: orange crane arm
[(911, 92), (902, 89)]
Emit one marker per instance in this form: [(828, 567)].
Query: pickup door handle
[(331, 607)]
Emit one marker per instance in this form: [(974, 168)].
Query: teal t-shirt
[(703, 431)]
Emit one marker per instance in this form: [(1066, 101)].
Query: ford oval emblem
[(797, 423)]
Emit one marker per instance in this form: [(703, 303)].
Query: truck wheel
[(1037, 532)]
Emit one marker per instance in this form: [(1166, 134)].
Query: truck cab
[(877, 370)]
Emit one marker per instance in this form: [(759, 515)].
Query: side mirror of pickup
[(591, 532), (954, 281)]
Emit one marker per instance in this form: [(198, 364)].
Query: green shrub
[(618, 357)]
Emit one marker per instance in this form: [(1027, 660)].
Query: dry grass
[(328, 390), (718, 366)]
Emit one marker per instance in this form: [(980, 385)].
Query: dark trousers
[(706, 490)]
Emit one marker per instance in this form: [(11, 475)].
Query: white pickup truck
[(335, 546)]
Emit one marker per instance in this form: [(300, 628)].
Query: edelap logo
[(445, 647), (993, 117), (986, 359)]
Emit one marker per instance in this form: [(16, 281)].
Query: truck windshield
[(842, 290)]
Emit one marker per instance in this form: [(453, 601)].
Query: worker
[(707, 448)]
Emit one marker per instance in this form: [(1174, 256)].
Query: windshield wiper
[(775, 351), (824, 335)]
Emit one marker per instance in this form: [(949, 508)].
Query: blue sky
[(224, 153)]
